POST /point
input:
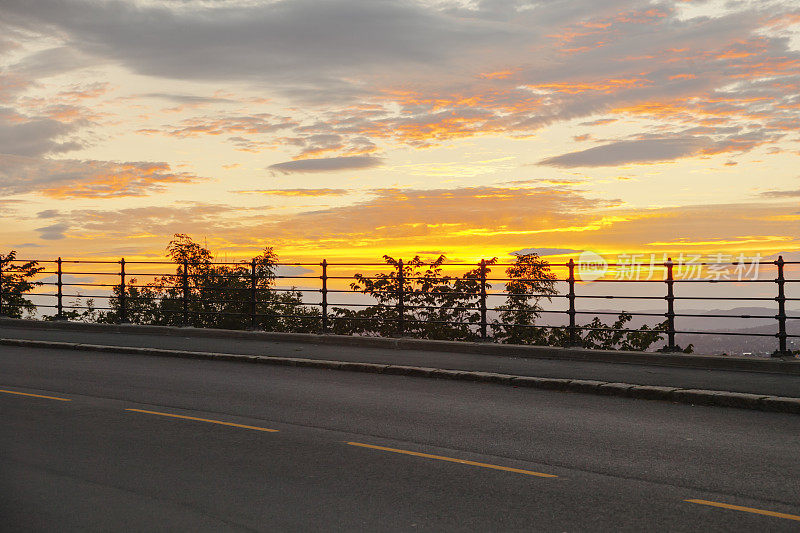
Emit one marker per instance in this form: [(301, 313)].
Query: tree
[(619, 335), (530, 280), (435, 306), (17, 280), (217, 295)]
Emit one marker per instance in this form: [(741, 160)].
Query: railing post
[(185, 293), (324, 291), (2, 309), (573, 330), (401, 311), (253, 296), (781, 316), (59, 292), (670, 281), (483, 300), (123, 301)]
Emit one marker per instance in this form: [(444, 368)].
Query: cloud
[(782, 194), (50, 62), (422, 73), (47, 213), (316, 144), (297, 192), (545, 251), (161, 222), (284, 270), (282, 40), (54, 232), (31, 136), (189, 99), (500, 219), (418, 219), (627, 152), (29, 70), (394, 214), (239, 124), (69, 178), (326, 164)]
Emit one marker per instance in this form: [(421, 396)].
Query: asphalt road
[(120, 454), (685, 378)]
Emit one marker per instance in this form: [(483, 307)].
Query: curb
[(789, 365), (739, 400)]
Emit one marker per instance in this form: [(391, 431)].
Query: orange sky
[(347, 130)]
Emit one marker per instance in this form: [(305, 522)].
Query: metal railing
[(186, 302)]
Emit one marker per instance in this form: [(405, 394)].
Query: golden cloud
[(297, 192)]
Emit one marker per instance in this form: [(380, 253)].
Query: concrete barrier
[(788, 365)]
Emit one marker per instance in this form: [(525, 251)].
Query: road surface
[(96, 441)]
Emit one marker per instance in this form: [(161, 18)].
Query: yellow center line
[(36, 395), (745, 509), (204, 420), (451, 459)]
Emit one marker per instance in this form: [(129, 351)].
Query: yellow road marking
[(36, 395), (745, 509), (204, 420), (451, 459)]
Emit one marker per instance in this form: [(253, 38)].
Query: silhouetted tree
[(436, 306), (219, 295), (17, 280), (603, 336), (530, 280)]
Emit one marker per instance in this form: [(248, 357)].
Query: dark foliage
[(16, 282)]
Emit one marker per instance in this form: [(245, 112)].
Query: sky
[(349, 129)]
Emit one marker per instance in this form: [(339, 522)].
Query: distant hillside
[(709, 343)]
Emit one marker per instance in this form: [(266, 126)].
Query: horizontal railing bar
[(70, 273), (517, 279), (409, 306), (677, 280), (86, 295), (633, 265), (291, 290), (723, 281), (362, 319), (445, 322), (530, 294), (12, 261), (305, 317), (733, 333), (86, 307), (773, 317), (360, 305), (292, 304), (154, 263), (85, 261), (128, 285), (723, 298), (581, 296), (151, 298)]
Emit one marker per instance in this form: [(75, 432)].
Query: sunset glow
[(348, 129)]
